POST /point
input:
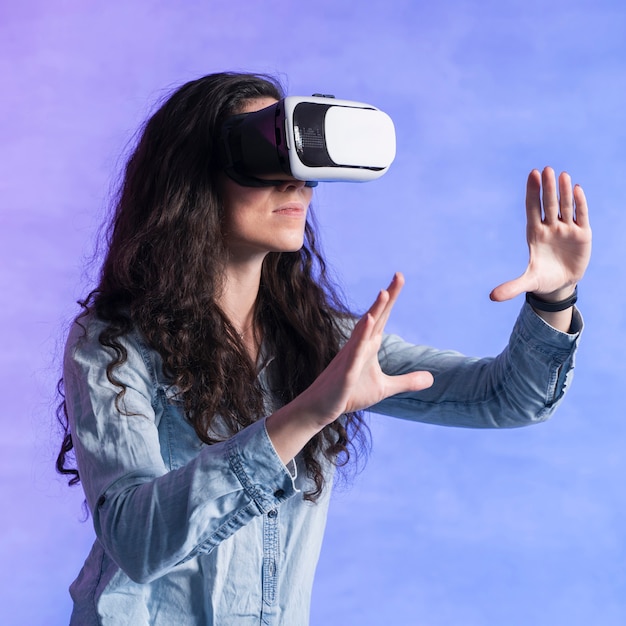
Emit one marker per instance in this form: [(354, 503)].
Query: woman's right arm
[(352, 381), (149, 518)]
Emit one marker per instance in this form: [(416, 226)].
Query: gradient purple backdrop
[(517, 527)]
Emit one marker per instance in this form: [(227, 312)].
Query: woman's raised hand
[(559, 238), (559, 243), (352, 381)]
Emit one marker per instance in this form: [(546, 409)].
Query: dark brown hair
[(169, 208)]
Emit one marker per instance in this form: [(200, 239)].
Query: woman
[(214, 380)]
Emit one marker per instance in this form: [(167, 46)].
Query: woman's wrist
[(290, 428), (554, 302)]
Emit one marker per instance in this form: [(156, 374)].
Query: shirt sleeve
[(149, 518), (522, 385)]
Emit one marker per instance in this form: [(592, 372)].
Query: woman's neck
[(238, 302)]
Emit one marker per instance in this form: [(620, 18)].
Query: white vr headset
[(312, 139)]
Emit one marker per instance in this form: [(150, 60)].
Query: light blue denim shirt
[(192, 534)]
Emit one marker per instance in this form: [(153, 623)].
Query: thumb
[(413, 381), (511, 289)]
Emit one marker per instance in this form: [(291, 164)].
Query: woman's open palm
[(559, 238), (354, 380)]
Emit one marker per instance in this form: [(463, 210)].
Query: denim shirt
[(189, 534)]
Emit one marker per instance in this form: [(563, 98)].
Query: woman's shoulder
[(90, 335), (85, 327), (94, 344)]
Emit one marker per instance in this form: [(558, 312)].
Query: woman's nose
[(290, 185)]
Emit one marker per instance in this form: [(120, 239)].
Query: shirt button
[(279, 493), (273, 513)]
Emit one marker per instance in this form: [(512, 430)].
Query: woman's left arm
[(523, 385), (559, 243), (526, 382)]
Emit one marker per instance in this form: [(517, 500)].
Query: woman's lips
[(291, 209)]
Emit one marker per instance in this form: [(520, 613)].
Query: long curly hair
[(162, 275)]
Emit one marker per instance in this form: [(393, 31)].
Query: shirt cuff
[(537, 332), (262, 474)]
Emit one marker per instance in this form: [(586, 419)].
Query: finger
[(549, 196), (395, 286), (582, 212), (356, 346), (378, 306), (394, 289), (362, 327), (533, 199), (566, 199)]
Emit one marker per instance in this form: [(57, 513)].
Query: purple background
[(445, 526)]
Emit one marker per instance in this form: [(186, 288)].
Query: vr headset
[(311, 139)]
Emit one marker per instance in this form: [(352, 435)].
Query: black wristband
[(552, 307)]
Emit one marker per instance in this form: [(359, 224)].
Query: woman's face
[(259, 220)]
